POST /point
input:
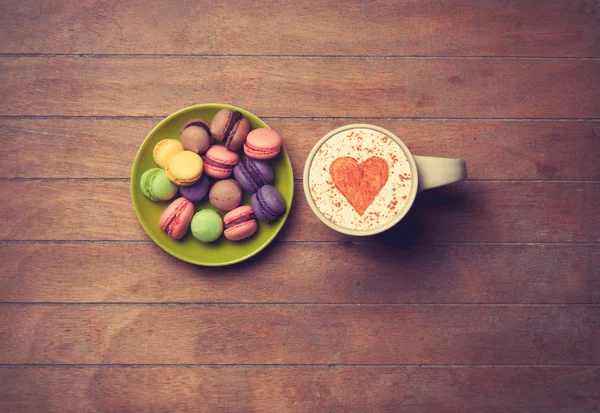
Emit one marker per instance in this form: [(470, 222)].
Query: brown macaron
[(231, 127), (225, 195), (196, 136)]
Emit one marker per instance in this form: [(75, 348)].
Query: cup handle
[(434, 172)]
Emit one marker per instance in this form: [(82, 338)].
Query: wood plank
[(290, 87), (288, 389), (422, 28), (467, 212), (88, 148), (294, 273), (298, 334)]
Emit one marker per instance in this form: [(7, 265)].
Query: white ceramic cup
[(426, 172)]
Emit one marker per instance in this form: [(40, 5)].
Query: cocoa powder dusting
[(360, 145)]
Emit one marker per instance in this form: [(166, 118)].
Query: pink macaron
[(239, 223), (219, 161), (262, 143), (175, 220)]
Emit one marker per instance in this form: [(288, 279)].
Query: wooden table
[(486, 298)]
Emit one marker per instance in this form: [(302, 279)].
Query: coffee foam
[(360, 144)]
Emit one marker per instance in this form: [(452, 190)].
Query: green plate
[(221, 252)]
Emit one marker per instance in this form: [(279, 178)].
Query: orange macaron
[(262, 143), (240, 223), (219, 161)]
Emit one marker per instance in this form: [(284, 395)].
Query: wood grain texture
[(105, 148), (486, 298), (298, 334), (468, 212), (291, 87), (285, 389), (296, 273), (380, 28)]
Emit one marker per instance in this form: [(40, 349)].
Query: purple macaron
[(196, 192), (252, 174), (267, 203)]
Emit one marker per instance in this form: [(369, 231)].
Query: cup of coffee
[(362, 180)]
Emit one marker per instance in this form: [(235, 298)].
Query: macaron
[(196, 192), (207, 225), (156, 185), (251, 174), (240, 223), (267, 203), (175, 220), (225, 195), (184, 168), (231, 127), (195, 136), (219, 161), (262, 143), (164, 151)]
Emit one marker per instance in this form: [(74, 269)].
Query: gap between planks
[(288, 56), (315, 118), (283, 366), (148, 241), (291, 304)]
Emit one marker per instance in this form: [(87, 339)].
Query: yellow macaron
[(164, 151), (184, 168)]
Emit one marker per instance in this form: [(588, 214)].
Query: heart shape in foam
[(359, 182)]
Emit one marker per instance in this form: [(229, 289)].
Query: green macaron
[(207, 225), (156, 185)]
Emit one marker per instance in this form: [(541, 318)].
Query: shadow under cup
[(341, 181)]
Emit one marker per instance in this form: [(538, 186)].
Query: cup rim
[(401, 214)]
